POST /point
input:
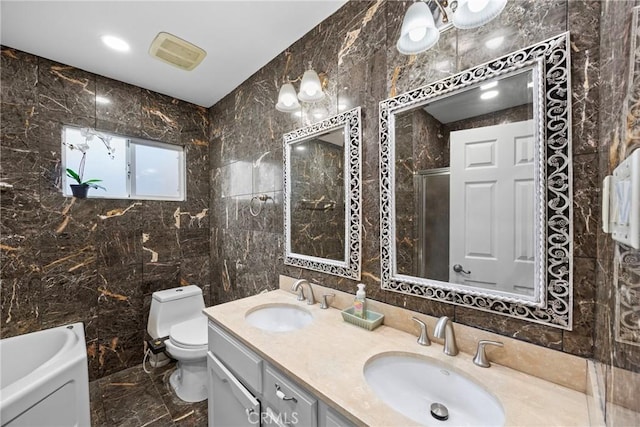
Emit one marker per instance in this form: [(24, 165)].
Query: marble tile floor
[(133, 398)]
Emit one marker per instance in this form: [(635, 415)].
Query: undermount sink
[(411, 384), (278, 317)]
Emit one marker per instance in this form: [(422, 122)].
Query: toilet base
[(189, 380)]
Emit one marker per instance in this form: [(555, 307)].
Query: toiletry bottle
[(360, 303)]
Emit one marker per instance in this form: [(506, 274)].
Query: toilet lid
[(190, 333)]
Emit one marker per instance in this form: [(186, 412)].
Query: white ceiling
[(239, 36)]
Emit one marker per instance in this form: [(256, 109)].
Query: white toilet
[(177, 313)]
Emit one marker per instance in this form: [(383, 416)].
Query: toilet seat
[(190, 334)]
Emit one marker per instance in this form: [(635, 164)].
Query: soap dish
[(372, 321)]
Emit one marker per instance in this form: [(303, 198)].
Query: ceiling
[(239, 36)]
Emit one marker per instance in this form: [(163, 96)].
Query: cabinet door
[(328, 417), (291, 404), (230, 403)]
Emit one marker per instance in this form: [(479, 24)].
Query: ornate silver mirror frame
[(350, 123), (550, 61)]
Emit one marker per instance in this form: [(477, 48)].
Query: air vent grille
[(177, 52)]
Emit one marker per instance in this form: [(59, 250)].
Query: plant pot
[(79, 190)]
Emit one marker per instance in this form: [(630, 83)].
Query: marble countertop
[(328, 357)]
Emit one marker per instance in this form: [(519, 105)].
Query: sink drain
[(439, 411)]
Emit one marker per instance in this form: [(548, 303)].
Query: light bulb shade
[(287, 100), (418, 21), (464, 17), (310, 87)]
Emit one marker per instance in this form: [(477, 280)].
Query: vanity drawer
[(237, 357), (302, 411)]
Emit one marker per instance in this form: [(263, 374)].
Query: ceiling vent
[(177, 52)]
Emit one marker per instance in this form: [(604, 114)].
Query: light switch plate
[(624, 218)]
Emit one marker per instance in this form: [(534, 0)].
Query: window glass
[(156, 171)]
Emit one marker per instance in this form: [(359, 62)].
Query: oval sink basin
[(278, 317), (411, 384)]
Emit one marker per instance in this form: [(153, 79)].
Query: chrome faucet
[(297, 287), (444, 329), (481, 359)]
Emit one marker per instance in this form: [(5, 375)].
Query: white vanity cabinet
[(244, 390)]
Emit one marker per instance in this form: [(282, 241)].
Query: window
[(128, 168)]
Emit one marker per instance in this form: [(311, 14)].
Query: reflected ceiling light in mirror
[(115, 43), (530, 85), (287, 99), (418, 31), (489, 95), (489, 85), (102, 100), (494, 43), (425, 20), (475, 13)]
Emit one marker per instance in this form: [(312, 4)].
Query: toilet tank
[(173, 306)]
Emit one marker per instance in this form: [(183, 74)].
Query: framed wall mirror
[(322, 193), (476, 187)]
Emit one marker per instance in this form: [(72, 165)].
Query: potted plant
[(81, 189)]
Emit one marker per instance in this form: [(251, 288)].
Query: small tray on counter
[(372, 321)]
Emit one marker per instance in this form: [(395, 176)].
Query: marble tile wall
[(356, 48), (618, 266), (93, 260)]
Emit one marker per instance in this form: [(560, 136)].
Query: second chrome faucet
[(444, 329)]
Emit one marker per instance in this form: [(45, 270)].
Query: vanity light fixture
[(311, 90), (494, 43), (425, 20)]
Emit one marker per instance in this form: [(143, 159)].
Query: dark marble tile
[(117, 350), (181, 413), (118, 102), (580, 340), (194, 243), (19, 78), (20, 299), (117, 247), (131, 400), (161, 117), (65, 92), (515, 328), (197, 271), (586, 211), (160, 245), (160, 275)]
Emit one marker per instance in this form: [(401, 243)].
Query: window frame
[(129, 170)]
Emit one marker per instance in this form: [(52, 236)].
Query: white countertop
[(328, 357)]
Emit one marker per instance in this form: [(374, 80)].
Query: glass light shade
[(287, 100), (310, 87), (465, 17), (418, 32)]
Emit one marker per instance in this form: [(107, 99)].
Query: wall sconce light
[(311, 90), (424, 21)]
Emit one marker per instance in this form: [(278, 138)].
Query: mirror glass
[(322, 214), (476, 187), (464, 198)]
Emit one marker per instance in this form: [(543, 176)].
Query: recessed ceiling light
[(494, 43), (300, 147), (102, 100), (530, 84), (489, 85), (489, 95), (115, 43)]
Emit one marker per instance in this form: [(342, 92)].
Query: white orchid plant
[(88, 134)]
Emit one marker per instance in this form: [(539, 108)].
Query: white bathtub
[(44, 380)]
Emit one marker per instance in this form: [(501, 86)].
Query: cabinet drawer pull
[(283, 396)]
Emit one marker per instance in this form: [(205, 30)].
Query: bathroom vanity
[(322, 366)]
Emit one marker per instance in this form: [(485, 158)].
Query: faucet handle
[(324, 305), (423, 339), (481, 359)]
